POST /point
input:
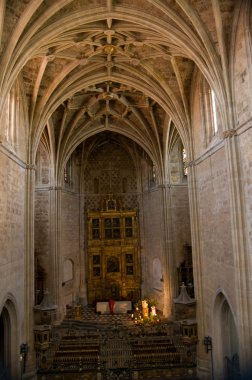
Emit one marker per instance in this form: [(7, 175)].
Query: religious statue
[(145, 309)]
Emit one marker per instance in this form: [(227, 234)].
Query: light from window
[(185, 170), (154, 173), (67, 172), (215, 120)]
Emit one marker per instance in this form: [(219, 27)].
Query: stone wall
[(215, 230), (178, 210), (242, 75), (42, 211), (42, 222), (246, 162), (155, 250), (12, 234), (70, 244), (153, 238), (242, 82), (110, 169)]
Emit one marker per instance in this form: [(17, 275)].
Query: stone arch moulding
[(9, 337), (225, 338)]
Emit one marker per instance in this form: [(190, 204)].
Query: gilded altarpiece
[(114, 270)]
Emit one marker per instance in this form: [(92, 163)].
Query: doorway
[(9, 365), (225, 351)]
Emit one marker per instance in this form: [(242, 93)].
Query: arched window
[(68, 172), (152, 175), (214, 112), (185, 170), (209, 108), (12, 115)]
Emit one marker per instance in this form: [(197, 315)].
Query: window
[(214, 112), (185, 170), (209, 108), (12, 112), (68, 172)]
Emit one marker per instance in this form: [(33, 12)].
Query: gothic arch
[(225, 340), (201, 52), (8, 341)]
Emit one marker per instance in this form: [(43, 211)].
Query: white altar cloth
[(120, 307)]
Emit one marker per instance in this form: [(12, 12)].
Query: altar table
[(120, 307)]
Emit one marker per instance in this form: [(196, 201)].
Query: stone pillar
[(28, 338), (241, 252), (83, 256), (204, 360), (168, 260), (54, 284)]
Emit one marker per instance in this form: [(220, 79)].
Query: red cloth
[(111, 306)]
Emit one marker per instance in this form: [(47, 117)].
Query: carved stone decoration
[(109, 49), (229, 133)]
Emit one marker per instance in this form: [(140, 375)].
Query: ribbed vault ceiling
[(119, 65)]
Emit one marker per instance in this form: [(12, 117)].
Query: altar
[(113, 255), (119, 307)]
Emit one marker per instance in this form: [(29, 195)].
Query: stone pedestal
[(184, 305), (45, 312)]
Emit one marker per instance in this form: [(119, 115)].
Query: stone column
[(204, 360), (240, 249), (54, 282), (30, 367), (83, 255), (168, 259)]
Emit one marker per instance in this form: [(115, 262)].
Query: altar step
[(88, 315), (94, 345)]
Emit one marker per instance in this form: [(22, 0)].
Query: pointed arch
[(225, 340), (8, 340)]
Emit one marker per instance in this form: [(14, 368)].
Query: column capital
[(229, 133), (30, 166)]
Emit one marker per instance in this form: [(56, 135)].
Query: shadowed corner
[(247, 374)]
